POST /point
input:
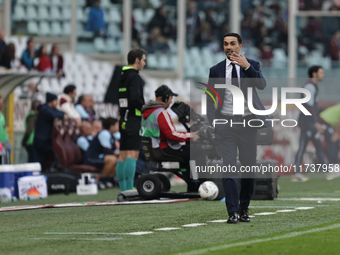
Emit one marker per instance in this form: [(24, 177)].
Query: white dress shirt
[(227, 108)]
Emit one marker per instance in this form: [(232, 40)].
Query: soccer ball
[(208, 190)]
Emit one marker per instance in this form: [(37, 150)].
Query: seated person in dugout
[(102, 152), (83, 141), (157, 124)]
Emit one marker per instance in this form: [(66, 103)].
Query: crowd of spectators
[(31, 58)]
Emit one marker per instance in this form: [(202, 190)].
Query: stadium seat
[(66, 29), (152, 61), (19, 13), (81, 3), (55, 28), (114, 15), (105, 4), (32, 27), (155, 3), (138, 15), (65, 13), (44, 28), (54, 13), (99, 44), (44, 85), (21, 2), (163, 62), (44, 2), (31, 13), (111, 46), (32, 2), (80, 15), (43, 14), (115, 30), (149, 13), (173, 62)]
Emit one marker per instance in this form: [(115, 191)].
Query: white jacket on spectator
[(66, 105)]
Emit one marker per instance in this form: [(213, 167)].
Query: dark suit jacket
[(217, 74)]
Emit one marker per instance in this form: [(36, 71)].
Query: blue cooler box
[(22, 170), (7, 179)]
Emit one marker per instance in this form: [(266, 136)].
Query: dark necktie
[(234, 78)]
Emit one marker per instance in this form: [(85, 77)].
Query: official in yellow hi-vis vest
[(131, 100)]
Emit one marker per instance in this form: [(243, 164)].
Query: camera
[(208, 140)]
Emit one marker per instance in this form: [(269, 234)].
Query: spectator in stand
[(334, 49), (85, 137), (97, 126), (4, 140), (31, 89), (81, 106), (43, 129), (102, 150), (66, 103), (7, 58), (44, 64), (161, 21), (28, 139), (2, 42), (57, 61), (193, 22), (96, 22), (90, 110), (27, 58), (156, 42), (206, 37)]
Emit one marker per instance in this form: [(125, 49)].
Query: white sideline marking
[(265, 213), (225, 246), (194, 224), (80, 239), (303, 208), (166, 229), (82, 233), (140, 233), (286, 211), (217, 221), (308, 199), (251, 216)]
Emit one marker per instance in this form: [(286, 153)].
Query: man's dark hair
[(29, 41), (35, 104), (133, 54), (108, 122), (81, 99), (313, 69), (239, 38), (69, 89)]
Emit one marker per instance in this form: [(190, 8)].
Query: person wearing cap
[(43, 128), (131, 100), (157, 124)]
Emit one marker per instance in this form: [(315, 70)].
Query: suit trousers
[(244, 138)]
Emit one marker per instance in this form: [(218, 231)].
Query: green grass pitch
[(102, 229)]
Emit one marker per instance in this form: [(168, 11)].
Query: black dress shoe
[(232, 218), (244, 215)]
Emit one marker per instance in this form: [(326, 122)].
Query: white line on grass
[(289, 235), (80, 239), (194, 224), (308, 199), (83, 233), (265, 213), (166, 229), (140, 233), (286, 211)]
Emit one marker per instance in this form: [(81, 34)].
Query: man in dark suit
[(238, 135)]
